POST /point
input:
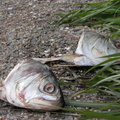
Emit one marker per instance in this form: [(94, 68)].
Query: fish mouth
[(42, 104)]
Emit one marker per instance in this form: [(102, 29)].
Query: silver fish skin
[(32, 85), (90, 48)]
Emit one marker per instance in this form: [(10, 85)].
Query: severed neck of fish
[(91, 47)]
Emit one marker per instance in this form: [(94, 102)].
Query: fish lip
[(51, 105), (55, 102)]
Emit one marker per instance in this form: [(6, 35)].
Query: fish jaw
[(42, 104)]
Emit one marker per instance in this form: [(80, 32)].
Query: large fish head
[(33, 85)]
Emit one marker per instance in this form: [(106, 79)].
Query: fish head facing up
[(33, 85)]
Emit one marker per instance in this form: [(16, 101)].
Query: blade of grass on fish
[(101, 106), (112, 60), (92, 114), (112, 55)]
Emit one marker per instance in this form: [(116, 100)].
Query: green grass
[(104, 15), (105, 81)]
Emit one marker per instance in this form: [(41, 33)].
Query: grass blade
[(112, 60), (91, 114), (92, 104)]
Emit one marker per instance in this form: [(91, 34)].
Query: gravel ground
[(27, 30)]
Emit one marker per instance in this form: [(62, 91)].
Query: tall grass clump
[(105, 15), (106, 81)]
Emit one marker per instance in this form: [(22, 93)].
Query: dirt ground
[(27, 30)]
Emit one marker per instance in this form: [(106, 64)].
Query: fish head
[(44, 94), (33, 85)]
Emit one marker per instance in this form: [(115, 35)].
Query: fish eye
[(49, 88), (118, 45)]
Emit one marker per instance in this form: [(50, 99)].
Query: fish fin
[(67, 58), (80, 44), (45, 60), (70, 58)]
